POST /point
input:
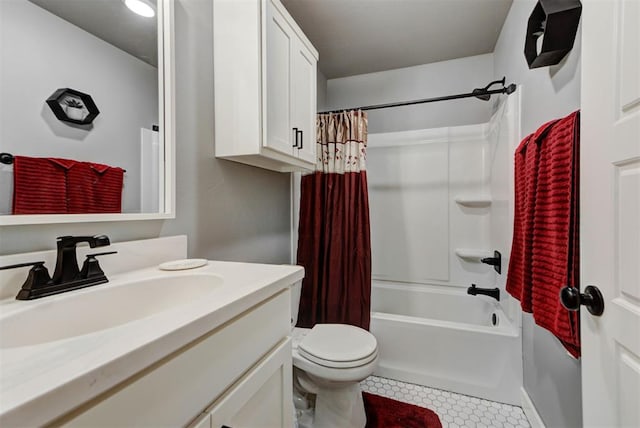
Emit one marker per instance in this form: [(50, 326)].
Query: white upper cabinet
[(265, 86)]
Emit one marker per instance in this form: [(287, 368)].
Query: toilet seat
[(338, 346), (332, 374)]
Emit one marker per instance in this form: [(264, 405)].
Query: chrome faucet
[(67, 276)]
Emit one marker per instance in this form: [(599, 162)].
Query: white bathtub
[(443, 338)]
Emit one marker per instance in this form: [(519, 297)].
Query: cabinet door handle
[(295, 144), (301, 135)]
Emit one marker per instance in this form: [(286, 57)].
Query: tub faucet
[(491, 292)]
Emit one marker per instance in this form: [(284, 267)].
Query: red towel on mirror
[(39, 185), (544, 252), (94, 188)]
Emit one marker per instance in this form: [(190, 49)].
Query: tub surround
[(416, 178), (443, 201), (42, 382)]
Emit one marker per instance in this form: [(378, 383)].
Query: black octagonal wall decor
[(73, 106), (556, 23)]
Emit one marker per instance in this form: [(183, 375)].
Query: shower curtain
[(333, 238)]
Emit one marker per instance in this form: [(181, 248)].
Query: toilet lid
[(339, 346)]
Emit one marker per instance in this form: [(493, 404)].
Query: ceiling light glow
[(141, 7)]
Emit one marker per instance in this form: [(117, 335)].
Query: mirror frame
[(166, 119)]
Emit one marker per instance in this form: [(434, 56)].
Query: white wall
[(551, 377), (412, 83), (229, 211), (41, 53)]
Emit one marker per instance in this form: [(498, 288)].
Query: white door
[(610, 211)]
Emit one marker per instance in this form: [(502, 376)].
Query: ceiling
[(111, 21), (364, 36)]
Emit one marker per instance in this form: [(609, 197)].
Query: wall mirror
[(117, 59)]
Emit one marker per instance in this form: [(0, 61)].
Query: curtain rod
[(483, 94)]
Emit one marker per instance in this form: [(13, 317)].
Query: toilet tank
[(296, 289)]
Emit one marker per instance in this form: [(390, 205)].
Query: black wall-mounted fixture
[(495, 261), (491, 292), (556, 22), (64, 101), (6, 158)]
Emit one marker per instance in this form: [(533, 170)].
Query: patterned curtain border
[(341, 142)]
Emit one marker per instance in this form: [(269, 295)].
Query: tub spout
[(491, 292)]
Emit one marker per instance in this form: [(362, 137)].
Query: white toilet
[(329, 361)]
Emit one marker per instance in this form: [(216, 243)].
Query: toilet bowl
[(329, 361)]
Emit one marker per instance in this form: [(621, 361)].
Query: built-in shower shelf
[(472, 254), (474, 201)]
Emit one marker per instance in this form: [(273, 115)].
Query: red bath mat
[(384, 412)]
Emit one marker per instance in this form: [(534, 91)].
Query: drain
[(494, 319)]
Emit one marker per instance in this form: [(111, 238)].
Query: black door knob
[(571, 299)]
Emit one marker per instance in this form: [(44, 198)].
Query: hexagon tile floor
[(454, 410)]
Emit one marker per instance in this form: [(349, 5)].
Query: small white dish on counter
[(183, 264)]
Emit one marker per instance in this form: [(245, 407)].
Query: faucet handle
[(106, 253), (38, 275), (91, 268), (19, 265)]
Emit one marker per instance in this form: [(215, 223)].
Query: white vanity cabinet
[(238, 375), (262, 398), (265, 86)]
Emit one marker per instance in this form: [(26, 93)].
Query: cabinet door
[(262, 398), (279, 40), (304, 101)]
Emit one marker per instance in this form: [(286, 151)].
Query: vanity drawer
[(176, 389)]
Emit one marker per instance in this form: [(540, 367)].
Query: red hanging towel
[(519, 277), (94, 188), (39, 185), (526, 163), (544, 253)]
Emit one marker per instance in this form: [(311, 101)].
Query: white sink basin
[(101, 307)]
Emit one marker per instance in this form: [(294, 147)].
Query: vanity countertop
[(40, 382)]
